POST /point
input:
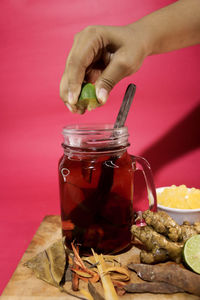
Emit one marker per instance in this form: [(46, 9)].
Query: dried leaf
[(49, 265), (81, 273), (109, 290), (57, 260), (118, 273), (107, 258)]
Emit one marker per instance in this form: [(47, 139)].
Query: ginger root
[(159, 248), (163, 223), (162, 237)]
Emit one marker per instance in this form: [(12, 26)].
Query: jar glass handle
[(140, 163)]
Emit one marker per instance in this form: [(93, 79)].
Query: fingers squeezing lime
[(87, 99), (191, 253)]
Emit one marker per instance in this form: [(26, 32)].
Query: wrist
[(142, 33)]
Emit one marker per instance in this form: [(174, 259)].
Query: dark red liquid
[(96, 202)]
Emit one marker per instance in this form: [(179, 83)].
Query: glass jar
[(96, 178)]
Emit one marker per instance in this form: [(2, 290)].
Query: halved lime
[(191, 253), (88, 99)]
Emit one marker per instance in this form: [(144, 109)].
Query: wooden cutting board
[(25, 286)]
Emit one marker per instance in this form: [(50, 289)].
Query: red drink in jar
[(96, 176)]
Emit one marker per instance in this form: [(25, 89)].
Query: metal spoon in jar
[(125, 106), (106, 178)]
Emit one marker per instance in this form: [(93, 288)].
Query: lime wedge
[(191, 253), (88, 99)]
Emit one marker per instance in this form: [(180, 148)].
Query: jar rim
[(93, 127), (95, 136)]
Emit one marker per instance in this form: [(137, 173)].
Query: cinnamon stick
[(152, 287), (172, 274)]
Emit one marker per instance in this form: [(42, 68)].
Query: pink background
[(36, 37)]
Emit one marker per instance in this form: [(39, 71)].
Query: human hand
[(102, 55), (105, 54)]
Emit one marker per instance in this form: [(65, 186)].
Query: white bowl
[(180, 215)]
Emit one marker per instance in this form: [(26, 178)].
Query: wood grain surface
[(25, 286)]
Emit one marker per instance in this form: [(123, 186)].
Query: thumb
[(117, 69)]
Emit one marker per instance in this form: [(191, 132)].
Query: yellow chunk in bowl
[(179, 197)]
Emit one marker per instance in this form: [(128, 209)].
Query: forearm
[(173, 27)]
